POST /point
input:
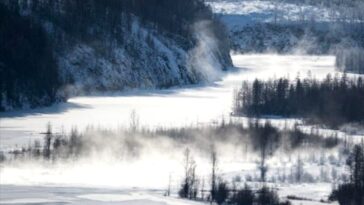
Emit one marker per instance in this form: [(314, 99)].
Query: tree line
[(333, 101), (76, 16)]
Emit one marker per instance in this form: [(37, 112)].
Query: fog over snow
[(121, 153), (100, 178), (174, 107)]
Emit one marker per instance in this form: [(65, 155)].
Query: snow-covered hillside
[(237, 14), (148, 59), (278, 26), (120, 46)]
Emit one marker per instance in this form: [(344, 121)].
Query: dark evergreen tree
[(244, 196), (28, 71), (265, 140), (222, 192), (267, 197), (352, 193)]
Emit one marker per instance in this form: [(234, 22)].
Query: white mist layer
[(165, 108), (154, 167), (203, 57), (150, 169), (168, 108), (147, 173)]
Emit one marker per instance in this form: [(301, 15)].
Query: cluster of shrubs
[(247, 196), (220, 192), (223, 194), (352, 192), (77, 16), (53, 147)]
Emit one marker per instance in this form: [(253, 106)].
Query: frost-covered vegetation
[(352, 192), (129, 142), (86, 46), (257, 143), (333, 101)]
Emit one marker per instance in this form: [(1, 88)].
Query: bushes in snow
[(243, 196), (352, 192), (267, 197), (246, 196), (220, 191)]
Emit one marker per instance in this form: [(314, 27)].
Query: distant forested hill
[(51, 49), (318, 27)]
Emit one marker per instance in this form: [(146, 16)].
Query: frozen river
[(106, 182), (171, 107)]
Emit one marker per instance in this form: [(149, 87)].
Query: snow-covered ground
[(75, 195), (107, 182), (72, 195)]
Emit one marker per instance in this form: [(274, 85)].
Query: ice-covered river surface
[(168, 108), (172, 107)]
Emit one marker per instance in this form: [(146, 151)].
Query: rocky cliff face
[(146, 59)]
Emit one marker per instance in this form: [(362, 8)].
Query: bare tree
[(266, 141), (299, 169), (203, 189), (134, 121), (47, 142), (213, 173), (189, 186), (168, 193)]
